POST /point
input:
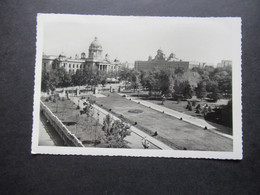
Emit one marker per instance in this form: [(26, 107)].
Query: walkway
[(44, 138), (47, 134), (187, 118), (155, 144)]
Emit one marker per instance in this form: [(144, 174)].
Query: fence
[(69, 138)]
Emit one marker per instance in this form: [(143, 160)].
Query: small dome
[(95, 44)]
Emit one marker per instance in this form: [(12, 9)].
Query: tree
[(115, 132), (66, 80), (51, 80), (211, 85), (149, 82), (223, 77), (78, 78), (125, 74), (143, 78), (45, 84), (57, 78), (198, 108), (182, 89), (201, 90), (187, 91), (215, 94), (164, 82), (179, 71), (134, 81)]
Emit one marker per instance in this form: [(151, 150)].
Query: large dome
[(95, 44)]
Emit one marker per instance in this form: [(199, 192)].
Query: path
[(47, 134), (187, 118), (136, 137)]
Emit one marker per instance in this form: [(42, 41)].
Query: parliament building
[(94, 61)]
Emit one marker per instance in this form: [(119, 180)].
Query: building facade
[(94, 61), (160, 62), (224, 63)]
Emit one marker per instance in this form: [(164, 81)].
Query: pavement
[(44, 129), (135, 138), (44, 138), (187, 118)]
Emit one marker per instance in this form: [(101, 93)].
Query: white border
[(237, 153)]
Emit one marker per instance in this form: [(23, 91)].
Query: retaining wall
[(68, 138)]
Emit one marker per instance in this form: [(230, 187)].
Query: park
[(161, 109)]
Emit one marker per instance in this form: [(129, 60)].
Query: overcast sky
[(135, 38)]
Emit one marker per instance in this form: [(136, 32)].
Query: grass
[(86, 128), (181, 107), (179, 133)]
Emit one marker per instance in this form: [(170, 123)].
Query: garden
[(85, 126)]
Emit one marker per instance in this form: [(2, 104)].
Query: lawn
[(86, 128), (177, 132), (181, 107)]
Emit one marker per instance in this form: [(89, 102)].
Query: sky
[(131, 38)]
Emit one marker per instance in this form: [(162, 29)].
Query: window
[(80, 66), (64, 64), (44, 65), (73, 65), (77, 65), (69, 65)]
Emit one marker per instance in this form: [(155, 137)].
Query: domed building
[(94, 61), (95, 50)]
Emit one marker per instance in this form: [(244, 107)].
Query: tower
[(95, 50)]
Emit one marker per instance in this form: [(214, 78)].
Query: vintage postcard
[(138, 86)]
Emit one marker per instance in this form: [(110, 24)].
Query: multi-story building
[(224, 63), (160, 62), (94, 61)]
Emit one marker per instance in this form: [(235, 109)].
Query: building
[(224, 63), (47, 62), (160, 62), (94, 61)]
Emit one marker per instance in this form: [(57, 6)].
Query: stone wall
[(68, 138)]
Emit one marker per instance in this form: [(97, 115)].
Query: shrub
[(115, 132)]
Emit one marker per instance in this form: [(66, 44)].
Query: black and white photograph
[(138, 86)]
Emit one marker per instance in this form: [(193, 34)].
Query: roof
[(95, 44)]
